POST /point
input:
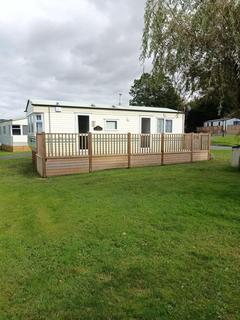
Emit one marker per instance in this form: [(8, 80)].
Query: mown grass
[(229, 140), (5, 153), (151, 243)]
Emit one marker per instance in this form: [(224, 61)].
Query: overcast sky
[(75, 50)]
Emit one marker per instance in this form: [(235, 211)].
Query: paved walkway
[(221, 148), (16, 156)]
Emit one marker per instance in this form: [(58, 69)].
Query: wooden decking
[(62, 154)]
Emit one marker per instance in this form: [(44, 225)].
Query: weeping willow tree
[(197, 43)]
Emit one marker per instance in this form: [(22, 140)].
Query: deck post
[(37, 142), (209, 146), (191, 147), (44, 155), (162, 148), (129, 149), (90, 151)]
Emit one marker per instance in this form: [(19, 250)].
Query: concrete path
[(16, 156), (220, 148)]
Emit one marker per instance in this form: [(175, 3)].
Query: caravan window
[(16, 130), (169, 126), (30, 124), (160, 125), (111, 124), (39, 123), (25, 130), (39, 127)]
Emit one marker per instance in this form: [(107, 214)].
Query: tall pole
[(120, 99)]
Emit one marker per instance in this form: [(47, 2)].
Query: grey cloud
[(85, 50)]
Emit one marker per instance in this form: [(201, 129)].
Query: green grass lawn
[(5, 153), (151, 243), (230, 140)]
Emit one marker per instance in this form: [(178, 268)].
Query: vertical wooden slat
[(209, 146), (129, 151), (61, 145), (110, 144), (44, 158), (37, 143), (162, 148), (69, 145), (66, 144), (114, 144), (103, 141), (54, 145), (120, 144), (90, 158), (95, 144), (165, 142), (47, 145), (192, 146)]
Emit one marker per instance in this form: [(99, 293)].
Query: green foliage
[(197, 41), (154, 91), (203, 109), (148, 243), (207, 108)]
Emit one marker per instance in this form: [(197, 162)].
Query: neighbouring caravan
[(69, 117), (222, 122), (14, 135)]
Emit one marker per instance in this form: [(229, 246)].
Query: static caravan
[(68, 117), (222, 122), (14, 135), (68, 138)]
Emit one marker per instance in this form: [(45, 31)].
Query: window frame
[(168, 121), (37, 121), (163, 121), (14, 129), (24, 129), (110, 120)]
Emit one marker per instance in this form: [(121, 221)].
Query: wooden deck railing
[(118, 146), (77, 145)]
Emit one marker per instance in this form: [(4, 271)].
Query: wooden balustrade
[(124, 150)]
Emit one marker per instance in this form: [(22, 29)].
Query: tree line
[(195, 50)]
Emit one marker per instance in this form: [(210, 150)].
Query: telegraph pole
[(120, 99)]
